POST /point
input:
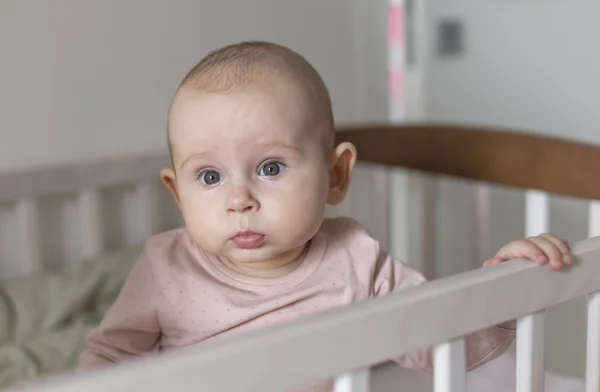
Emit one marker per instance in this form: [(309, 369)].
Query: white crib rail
[(449, 365), (340, 341), (593, 314), (25, 189), (530, 327)]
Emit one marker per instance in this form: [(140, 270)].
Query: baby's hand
[(545, 248)]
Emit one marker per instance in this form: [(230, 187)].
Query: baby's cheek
[(303, 204), (199, 216)]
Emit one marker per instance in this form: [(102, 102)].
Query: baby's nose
[(241, 200)]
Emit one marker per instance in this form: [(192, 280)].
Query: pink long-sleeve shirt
[(177, 295)]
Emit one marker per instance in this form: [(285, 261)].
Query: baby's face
[(251, 180)]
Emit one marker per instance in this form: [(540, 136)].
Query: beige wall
[(83, 79)]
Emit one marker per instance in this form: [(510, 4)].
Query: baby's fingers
[(562, 245), (553, 249), (525, 249)]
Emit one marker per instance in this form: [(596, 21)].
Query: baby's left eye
[(271, 169)]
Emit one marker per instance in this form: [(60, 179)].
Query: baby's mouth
[(248, 240)]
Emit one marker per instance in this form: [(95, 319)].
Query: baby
[(251, 135)]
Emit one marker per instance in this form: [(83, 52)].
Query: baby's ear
[(167, 176), (342, 164)]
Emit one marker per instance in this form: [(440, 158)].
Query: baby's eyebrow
[(267, 147), (191, 158), (273, 146)]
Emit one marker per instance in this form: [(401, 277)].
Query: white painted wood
[(148, 208), (530, 353), (90, 221), (483, 222), (423, 212), (381, 182), (450, 366), (28, 236), (326, 345), (74, 177), (357, 381), (593, 344), (530, 328), (594, 219), (536, 213), (400, 224), (593, 314)]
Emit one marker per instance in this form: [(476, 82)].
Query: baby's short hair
[(251, 63)]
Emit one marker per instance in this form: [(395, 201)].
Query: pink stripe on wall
[(396, 24), (396, 65)]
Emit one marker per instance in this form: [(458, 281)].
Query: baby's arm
[(130, 328), (481, 347)]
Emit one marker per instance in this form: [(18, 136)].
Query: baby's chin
[(266, 256)]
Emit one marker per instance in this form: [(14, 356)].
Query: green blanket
[(45, 317)]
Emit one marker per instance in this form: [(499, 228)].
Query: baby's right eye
[(209, 177)]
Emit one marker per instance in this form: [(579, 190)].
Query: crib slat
[(530, 328), (28, 236), (483, 220), (357, 381), (148, 218), (536, 213), (450, 366), (594, 219), (423, 213), (381, 179), (530, 353), (90, 222), (400, 224), (592, 382)]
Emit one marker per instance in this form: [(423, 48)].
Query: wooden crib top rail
[(486, 154)]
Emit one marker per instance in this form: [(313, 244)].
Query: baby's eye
[(209, 177), (271, 169)]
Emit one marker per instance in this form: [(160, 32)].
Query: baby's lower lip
[(248, 240)]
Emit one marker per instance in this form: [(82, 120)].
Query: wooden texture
[(336, 342), (497, 156), (74, 177)]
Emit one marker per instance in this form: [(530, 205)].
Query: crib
[(347, 344)]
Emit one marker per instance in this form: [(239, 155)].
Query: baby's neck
[(275, 268)]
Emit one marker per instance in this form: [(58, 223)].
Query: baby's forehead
[(255, 117)]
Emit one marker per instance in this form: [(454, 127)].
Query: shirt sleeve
[(481, 346), (130, 328)]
